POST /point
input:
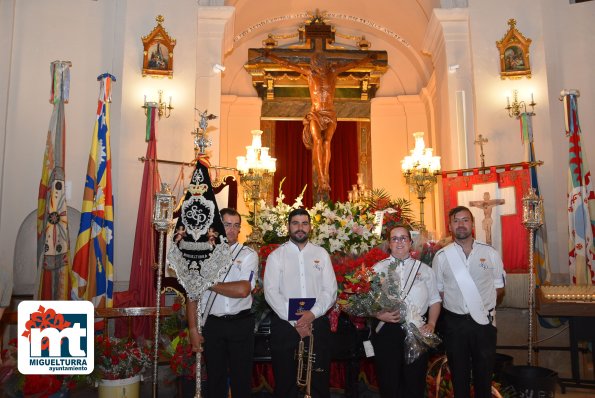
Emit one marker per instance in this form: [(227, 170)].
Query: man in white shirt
[(470, 277), (300, 269), (229, 329)]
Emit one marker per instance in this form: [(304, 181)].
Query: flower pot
[(120, 388)]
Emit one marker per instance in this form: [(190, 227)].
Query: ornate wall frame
[(514, 54), (158, 51)]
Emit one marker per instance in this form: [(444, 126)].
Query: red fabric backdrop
[(515, 249), (294, 161)]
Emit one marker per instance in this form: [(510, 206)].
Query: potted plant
[(118, 366)]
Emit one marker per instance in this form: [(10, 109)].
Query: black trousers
[(397, 379), (284, 343), (229, 349), (470, 348)]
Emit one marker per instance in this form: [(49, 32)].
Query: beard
[(301, 238), (462, 233)]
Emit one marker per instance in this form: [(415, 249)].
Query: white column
[(448, 41), (214, 33)]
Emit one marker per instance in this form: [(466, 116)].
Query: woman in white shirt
[(417, 286)]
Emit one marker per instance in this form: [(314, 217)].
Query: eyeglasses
[(401, 239), (228, 225)]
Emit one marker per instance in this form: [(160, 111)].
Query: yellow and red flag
[(92, 274)]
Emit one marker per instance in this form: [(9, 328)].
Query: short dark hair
[(229, 212), (458, 209), (298, 212)]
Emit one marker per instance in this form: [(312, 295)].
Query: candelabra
[(359, 192), (532, 220), (516, 108), (163, 109), (256, 176), (421, 170), (163, 214)]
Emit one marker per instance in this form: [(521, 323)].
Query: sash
[(212, 294), (467, 286)]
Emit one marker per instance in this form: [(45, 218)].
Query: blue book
[(299, 305)]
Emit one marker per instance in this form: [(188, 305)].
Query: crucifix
[(480, 141), (321, 66)]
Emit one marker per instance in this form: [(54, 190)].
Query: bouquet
[(380, 292), (16, 384), (182, 360), (120, 358)]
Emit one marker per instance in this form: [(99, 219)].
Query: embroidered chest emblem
[(317, 265), (482, 263)]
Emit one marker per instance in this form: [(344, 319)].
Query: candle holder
[(532, 220), (163, 214), (421, 170), (256, 176)]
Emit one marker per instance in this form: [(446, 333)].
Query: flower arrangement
[(182, 360), (17, 384), (272, 220), (120, 358)]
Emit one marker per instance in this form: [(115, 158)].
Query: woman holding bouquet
[(415, 283)]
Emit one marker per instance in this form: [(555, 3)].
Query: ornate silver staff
[(162, 222), (201, 255), (532, 220)]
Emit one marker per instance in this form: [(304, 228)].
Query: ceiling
[(396, 26)]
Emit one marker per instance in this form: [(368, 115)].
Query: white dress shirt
[(244, 268), (294, 273), (486, 270), (423, 292)]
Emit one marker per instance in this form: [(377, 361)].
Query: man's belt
[(464, 316), (239, 315)]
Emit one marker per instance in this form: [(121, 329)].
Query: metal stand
[(532, 220)]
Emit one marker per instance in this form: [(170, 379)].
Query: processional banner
[(494, 197), (92, 275), (53, 241)]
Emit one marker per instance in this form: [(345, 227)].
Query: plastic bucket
[(120, 388), (501, 363), (532, 381)]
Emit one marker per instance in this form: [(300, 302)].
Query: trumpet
[(304, 373)]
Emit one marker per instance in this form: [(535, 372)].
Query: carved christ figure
[(487, 205), (320, 123)]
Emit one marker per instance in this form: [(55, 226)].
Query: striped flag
[(142, 273), (92, 276), (581, 200), (540, 251), (53, 251)]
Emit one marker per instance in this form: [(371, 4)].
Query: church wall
[(393, 122), (551, 25), (97, 37)]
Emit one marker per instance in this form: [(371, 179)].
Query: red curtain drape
[(294, 161)]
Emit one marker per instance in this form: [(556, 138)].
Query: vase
[(120, 388)]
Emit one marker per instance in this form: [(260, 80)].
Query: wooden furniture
[(129, 313), (576, 304)]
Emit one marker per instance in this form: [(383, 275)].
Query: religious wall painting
[(514, 54), (158, 51)]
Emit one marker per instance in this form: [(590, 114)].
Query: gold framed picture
[(158, 51), (514, 54)]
